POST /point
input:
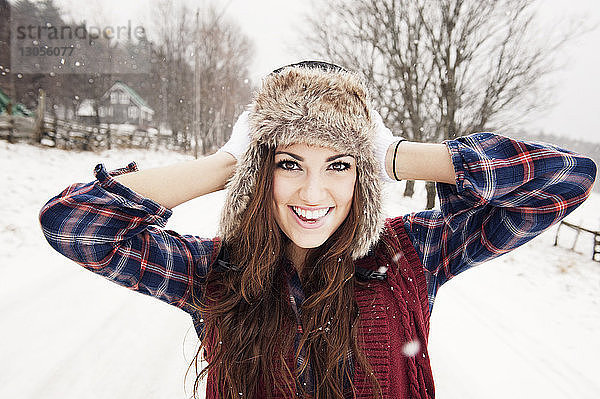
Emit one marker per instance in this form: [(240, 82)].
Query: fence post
[(55, 128), (596, 247), (39, 118), (575, 240), (11, 123), (557, 230)]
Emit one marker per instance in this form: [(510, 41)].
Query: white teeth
[(311, 214)]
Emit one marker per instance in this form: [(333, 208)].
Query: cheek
[(280, 191), (346, 192)]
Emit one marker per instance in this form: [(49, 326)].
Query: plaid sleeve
[(113, 231), (507, 192)]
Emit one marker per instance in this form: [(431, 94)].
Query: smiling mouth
[(311, 217)]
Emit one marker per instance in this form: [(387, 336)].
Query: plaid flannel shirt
[(507, 192)]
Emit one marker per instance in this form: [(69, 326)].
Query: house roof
[(19, 109), (134, 96)]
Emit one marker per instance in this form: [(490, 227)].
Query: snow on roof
[(86, 108)]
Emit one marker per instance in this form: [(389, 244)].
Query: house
[(18, 109), (119, 105)]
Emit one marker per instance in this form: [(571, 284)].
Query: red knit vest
[(394, 322)]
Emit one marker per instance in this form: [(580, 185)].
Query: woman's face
[(312, 191)]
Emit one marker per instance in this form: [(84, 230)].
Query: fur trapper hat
[(316, 104)]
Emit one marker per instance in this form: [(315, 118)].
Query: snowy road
[(525, 325)]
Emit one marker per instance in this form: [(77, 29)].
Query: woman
[(307, 291)]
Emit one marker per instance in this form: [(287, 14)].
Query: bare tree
[(490, 59), (203, 72), (222, 54), (64, 87), (445, 68), (173, 70)]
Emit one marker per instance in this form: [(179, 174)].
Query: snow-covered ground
[(525, 325)]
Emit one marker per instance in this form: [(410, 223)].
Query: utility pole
[(197, 117), (197, 93)]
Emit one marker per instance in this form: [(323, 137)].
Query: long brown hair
[(248, 319)]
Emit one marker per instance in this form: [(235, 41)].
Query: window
[(133, 112), (114, 97), (102, 111), (124, 98), (110, 111)]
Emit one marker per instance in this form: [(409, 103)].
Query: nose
[(313, 190)]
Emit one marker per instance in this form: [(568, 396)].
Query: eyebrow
[(299, 158)]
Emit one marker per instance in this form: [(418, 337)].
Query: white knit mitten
[(240, 137), (383, 139)]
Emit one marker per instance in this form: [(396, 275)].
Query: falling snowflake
[(411, 348), (397, 256)]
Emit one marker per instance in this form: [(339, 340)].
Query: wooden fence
[(578, 231), (69, 135)]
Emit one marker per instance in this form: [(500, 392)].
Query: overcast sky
[(273, 25)]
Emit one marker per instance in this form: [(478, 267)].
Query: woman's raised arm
[(504, 193), (116, 232), (420, 161), (113, 226), (175, 184)]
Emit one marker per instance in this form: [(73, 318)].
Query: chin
[(307, 243)]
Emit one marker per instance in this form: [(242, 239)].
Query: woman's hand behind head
[(384, 138), (240, 137)]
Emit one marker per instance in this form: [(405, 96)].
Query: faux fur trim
[(314, 107)]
